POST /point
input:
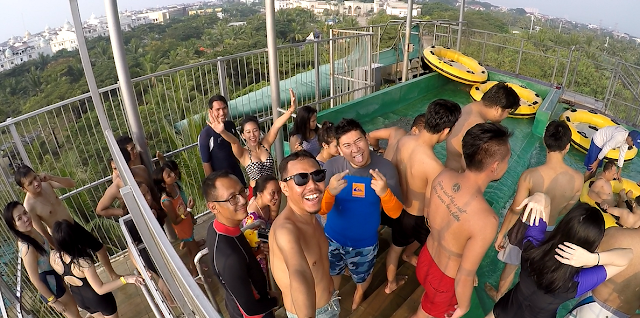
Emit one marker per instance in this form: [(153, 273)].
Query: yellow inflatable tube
[(455, 65), (529, 100), (584, 124)]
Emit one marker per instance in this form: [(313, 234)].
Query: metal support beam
[(86, 65), (18, 144), (316, 68), (124, 80), (460, 20), (407, 41), (274, 76), (566, 71)]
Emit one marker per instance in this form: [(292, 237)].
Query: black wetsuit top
[(239, 272)]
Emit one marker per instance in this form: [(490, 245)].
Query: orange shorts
[(439, 298)]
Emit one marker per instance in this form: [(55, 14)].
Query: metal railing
[(66, 139)]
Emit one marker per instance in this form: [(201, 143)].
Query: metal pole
[(566, 71), (124, 80), (575, 69), (520, 56), (462, 4), (484, 47), (316, 68), (407, 41), (86, 65), (370, 63), (555, 67), (274, 76), (18, 142), (531, 28), (331, 69), (222, 78)]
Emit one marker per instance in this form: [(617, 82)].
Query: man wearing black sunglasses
[(299, 247), (234, 262), (360, 185)]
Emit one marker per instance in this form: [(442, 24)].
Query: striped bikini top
[(257, 169)]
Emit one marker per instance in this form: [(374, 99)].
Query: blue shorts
[(592, 155), (54, 283), (359, 260)]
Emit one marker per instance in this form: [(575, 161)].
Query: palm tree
[(42, 61), (33, 80)]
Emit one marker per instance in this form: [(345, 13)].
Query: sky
[(622, 12), (17, 16)]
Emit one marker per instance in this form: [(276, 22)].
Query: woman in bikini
[(264, 206), (35, 253), (75, 262), (255, 157), (305, 131)]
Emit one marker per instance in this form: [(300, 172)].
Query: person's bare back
[(621, 291), (417, 165), (560, 182), (461, 222), (309, 241), (468, 119)]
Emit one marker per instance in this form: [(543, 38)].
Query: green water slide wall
[(304, 84)]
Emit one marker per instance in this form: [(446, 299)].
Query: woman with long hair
[(36, 253), (563, 266), (305, 131), (255, 157), (328, 142), (264, 206), (75, 262), (172, 199)]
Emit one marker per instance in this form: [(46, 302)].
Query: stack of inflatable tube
[(617, 186), (529, 100), (584, 125), (455, 65)]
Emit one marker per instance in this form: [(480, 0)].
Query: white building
[(65, 38), (20, 50), (354, 8)]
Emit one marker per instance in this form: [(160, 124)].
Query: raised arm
[(378, 134), (268, 140), (513, 214), (104, 207), (101, 287), (57, 182), (218, 126), (472, 255), (302, 283)]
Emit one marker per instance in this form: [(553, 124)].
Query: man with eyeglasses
[(234, 261), (299, 248), (360, 185)]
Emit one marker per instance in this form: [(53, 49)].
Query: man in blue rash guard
[(359, 184)]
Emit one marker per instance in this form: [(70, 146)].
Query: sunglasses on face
[(303, 178)]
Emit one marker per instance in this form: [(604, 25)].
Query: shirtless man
[(601, 191), (619, 296), (554, 178), (298, 245), (45, 209), (141, 175), (627, 211), (494, 107), (417, 165), (393, 134), (462, 223)]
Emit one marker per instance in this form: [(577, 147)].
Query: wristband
[(124, 282), (598, 263), (51, 299), (189, 209)]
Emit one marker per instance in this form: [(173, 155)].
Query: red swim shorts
[(439, 298)]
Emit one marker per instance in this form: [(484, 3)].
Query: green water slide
[(304, 84)]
